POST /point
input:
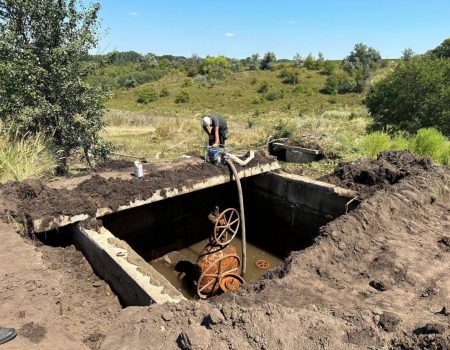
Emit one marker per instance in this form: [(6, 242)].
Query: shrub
[(147, 95), (130, 83), (328, 68), (274, 95), (414, 95), (24, 157), (264, 87), (164, 92), (187, 82), (268, 60), (282, 129), (289, 77), (374, 143), (430, 142), (182, 97), (339, 84)]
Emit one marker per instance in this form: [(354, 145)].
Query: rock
[(195, 337), (378, 285), (388, 321), (214, 317), (431, 328), (443, 311), (167, 316)]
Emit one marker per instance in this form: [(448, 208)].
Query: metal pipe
[(241, 209)]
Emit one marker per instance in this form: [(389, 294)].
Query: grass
[(21, 158)]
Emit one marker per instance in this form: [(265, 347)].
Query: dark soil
[(31, 199), (114, 164), (368, 176)]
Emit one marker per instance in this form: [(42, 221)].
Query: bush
[(430, 142), (274, 95), (414, 95), (268, 60), (182, 97), (187, 82), (130, 83), (164, 92), (24, 157), (263, 88), (340, 84), (289, 77), (374, 143), (147, 95), (282, 129)]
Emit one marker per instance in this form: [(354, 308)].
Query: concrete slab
[(42, 225), (130, 276)]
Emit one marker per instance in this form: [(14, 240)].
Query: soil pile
[(377, 277), (368, 176), (30, 200)]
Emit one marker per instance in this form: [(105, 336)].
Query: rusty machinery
[(219, 263)]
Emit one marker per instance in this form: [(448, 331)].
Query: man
[(219, 129)]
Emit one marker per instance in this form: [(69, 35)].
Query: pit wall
[(131, 278), (298, 207)]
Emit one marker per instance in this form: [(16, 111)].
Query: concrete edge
[(297, 148), (340, 191), (139, 284), (42, 225)]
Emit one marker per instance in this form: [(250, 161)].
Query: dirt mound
[(377, 277), (367, 176), (30, 200), (115, 164)]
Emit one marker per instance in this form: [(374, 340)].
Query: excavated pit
[(284, 213)]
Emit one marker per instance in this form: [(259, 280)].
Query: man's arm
[(216, 137), (205, 129)]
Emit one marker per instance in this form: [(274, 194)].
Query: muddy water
[(182, 281)]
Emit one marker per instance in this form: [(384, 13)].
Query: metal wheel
[(230, 282), (226, 226), (262, 264), (210, 278)]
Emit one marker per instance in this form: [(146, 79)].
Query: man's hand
[(215, 145)]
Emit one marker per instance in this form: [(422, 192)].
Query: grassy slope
[(165, 129)]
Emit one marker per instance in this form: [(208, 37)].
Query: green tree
[(268, 60), (297, 60), (43, 69), (441, 51), (254, 62), (310, 62), (362, 57), (415, 95), (215, 69), (407, 54)]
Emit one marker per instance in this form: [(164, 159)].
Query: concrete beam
[(134, 280)]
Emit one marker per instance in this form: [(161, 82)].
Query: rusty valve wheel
[(262, 264), (226, 226), (209, 280), (230, 282)]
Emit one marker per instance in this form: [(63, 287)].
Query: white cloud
[(134, 13), (229, 34), (292, 22)]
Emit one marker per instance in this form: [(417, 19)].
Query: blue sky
[(239, 28)]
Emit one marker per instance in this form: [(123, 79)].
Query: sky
[(240, 28)]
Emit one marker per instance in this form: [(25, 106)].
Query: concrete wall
[(298, 206), (131, 278)]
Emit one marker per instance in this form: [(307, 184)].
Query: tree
[(254, 62), (441, 51), (268, 60), (215, 69), (415, 95), (43, 46), (297, 60), (407, 54), (362, 57), (310, 62)]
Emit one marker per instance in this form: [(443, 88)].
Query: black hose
[(242, 213)]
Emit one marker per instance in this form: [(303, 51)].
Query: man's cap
[(206, 121)]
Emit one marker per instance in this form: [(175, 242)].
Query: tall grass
[(25, 157), (427, 142)]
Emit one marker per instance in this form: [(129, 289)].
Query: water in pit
[(165, 265)]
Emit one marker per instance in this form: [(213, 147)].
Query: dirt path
[(51, 296)]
